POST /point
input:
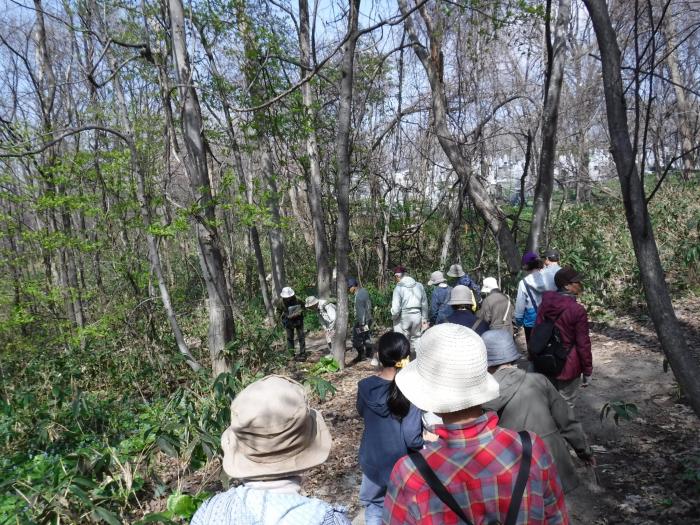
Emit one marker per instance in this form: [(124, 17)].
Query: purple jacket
[(573, 326)]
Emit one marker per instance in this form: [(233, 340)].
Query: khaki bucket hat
[(461, 295), (273, 431), (455, 271), (436, 278)]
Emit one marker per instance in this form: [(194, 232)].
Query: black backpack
[(547, 349)]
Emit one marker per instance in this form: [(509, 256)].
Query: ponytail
[(392, 349)]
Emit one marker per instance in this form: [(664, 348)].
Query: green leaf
[(107, 515), (167, 445), (158, 517), (181, 505)]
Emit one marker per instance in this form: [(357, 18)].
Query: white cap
[(490, 284)]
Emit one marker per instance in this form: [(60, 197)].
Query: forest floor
[(648, 468)]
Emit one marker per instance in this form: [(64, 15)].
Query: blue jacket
[(385, 439), (467, 318), (439, 309)]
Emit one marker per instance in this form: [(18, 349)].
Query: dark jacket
[(363, 308), (467, 281), (439, 309), (529, 401), (283, 309), (497, 311), (573, 326), (385, 439), (468, 319)]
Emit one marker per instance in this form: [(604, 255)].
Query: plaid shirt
[(478, 463)]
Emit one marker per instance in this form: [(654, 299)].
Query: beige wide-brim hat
[(461, 295), (273, 432), (312, 301), (436, 278), (450, 371), (455, 271)]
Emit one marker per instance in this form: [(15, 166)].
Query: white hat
[(286, 292), (461, 295), (436, 278), (312, 300), (455, 271), (450, 371), (490, 284)]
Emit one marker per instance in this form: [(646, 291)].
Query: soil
[(648, 464)]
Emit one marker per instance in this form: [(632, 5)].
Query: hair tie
[(402, 363)]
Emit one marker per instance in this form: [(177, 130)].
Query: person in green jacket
[(362, 328)]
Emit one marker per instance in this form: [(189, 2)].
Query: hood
[(509, 381), (375, 394), (407, 281), (536, 281), (554, 303)]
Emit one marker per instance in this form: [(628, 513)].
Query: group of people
[(456, 429)]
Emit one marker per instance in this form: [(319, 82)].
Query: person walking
[(571, 319), (473, 471), (464, 279), (274, 437), (326, 315), (439, 299), (496, 307), (529, 295), (409, 306), (392, 424), (362, 328), (462, 300), (551, 267), (529, 401), (291, 312)]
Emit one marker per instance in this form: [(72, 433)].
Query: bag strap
[(521, 481), (436, 485), (515, 500), (476, 324), (505, 316), (529, 293)]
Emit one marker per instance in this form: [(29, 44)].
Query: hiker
[(529, 401), (273, 438), (362, 329), (465, 280), (291, 312), (571, 319), (529, 295), (409, 306), (392, 424), (326, 315), (496, 307), (551, 267), (461, 301), (439, 307), (475, 464)]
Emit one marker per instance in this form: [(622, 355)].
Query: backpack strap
[(436, 485), (529, 293), (476, 324), (521, 481)]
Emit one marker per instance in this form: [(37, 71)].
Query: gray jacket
[(409, 296), (497, 311), (529, 401), (363, 308)]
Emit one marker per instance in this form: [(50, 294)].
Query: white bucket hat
[(286, 292), (311, 300), (490, 284), (273, 431), (455, 271), (436, 278), (461, 295), (450, 371)]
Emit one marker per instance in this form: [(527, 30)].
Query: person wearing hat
[(572, 321), (529, 401), (496, 308), (474, 460), (462, 300), (551, 267), (464, 279), (409, 306), (439, 307), (274, 437), (326, 314), (291, 312), (392, 425), (529, 294), (362, 328)]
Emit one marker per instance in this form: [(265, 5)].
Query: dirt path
[(648, 469)]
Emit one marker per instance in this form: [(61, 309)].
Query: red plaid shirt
[(478, 463)]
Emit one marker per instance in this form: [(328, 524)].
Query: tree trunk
[(684, 364), (221, 326), (431, 60), (556, 59), (315, 195), (342, 240)]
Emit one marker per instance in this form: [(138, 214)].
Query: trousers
[(410, 325), (300, 336)]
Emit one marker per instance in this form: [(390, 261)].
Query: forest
[(167, 168)]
